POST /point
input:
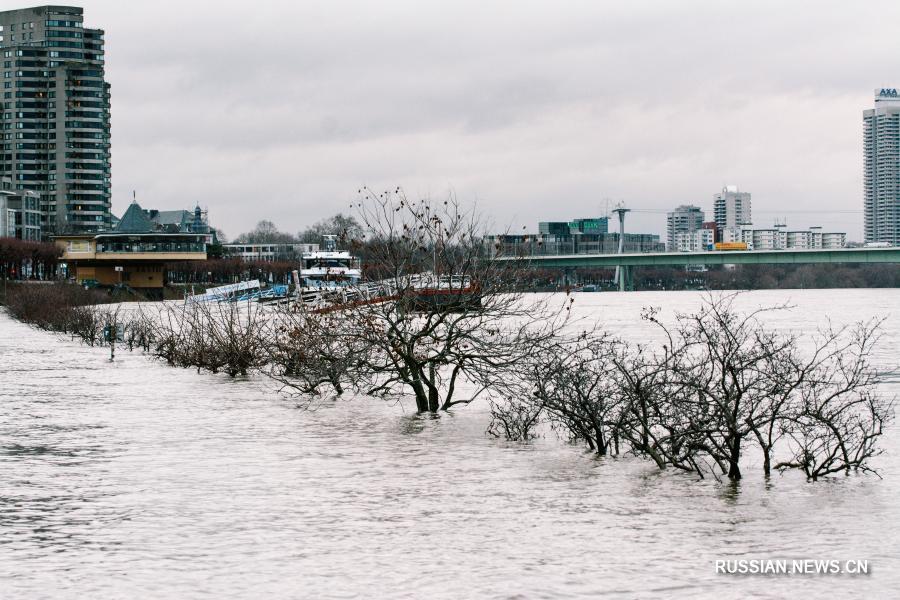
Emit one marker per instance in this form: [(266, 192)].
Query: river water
[(138, 480)]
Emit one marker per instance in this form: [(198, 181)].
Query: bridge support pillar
[(625, 275)]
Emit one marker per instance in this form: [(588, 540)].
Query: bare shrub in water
[(49, 306), (515, 420), (313, 354), (720, 383), (226, 337), (834, 423)]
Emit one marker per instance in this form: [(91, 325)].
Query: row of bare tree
[(718, 385)]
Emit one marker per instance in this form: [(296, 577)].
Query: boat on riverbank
[(243, 291), (328, 275)]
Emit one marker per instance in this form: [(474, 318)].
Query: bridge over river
[(626, 262)]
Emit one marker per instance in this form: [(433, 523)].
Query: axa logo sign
[(888, 93)]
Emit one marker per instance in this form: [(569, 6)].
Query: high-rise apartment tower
[(881, 143), (731, 208), (684, 219), (55, 117)]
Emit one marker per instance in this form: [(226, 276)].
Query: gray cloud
[(539, 110)]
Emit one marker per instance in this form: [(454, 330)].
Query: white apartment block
[(765, 239), (830, 240), (800, 240), (699, 240), (268, 252), (778, 239)]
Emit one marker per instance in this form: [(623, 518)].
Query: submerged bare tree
[(721, 382), (834, 423), (442, 311), (225, 337), (312, 352), (721, 371), (654, 420), (514, 420), (570, 380)]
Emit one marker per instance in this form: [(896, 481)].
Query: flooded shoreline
[(135, 478)]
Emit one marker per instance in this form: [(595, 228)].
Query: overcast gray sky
[(535, 110)]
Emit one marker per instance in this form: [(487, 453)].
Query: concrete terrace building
[(55, 120), (827, 240), (684, 219), (816, 239), (698, 240), (731, 208), (773, 238), (881, 144), (777, 238)]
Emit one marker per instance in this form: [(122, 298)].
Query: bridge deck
[(731, 257)]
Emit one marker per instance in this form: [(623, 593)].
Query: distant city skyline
[(283, 111)]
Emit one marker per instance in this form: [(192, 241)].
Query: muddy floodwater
[(138, 480)]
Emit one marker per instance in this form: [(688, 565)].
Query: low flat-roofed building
[(777, 238), (134, 254), (268, 252), (833, 239), (800, 240)]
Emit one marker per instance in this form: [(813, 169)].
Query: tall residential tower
[(684, 219), (55, 117), (881, 141), (732, 209)]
